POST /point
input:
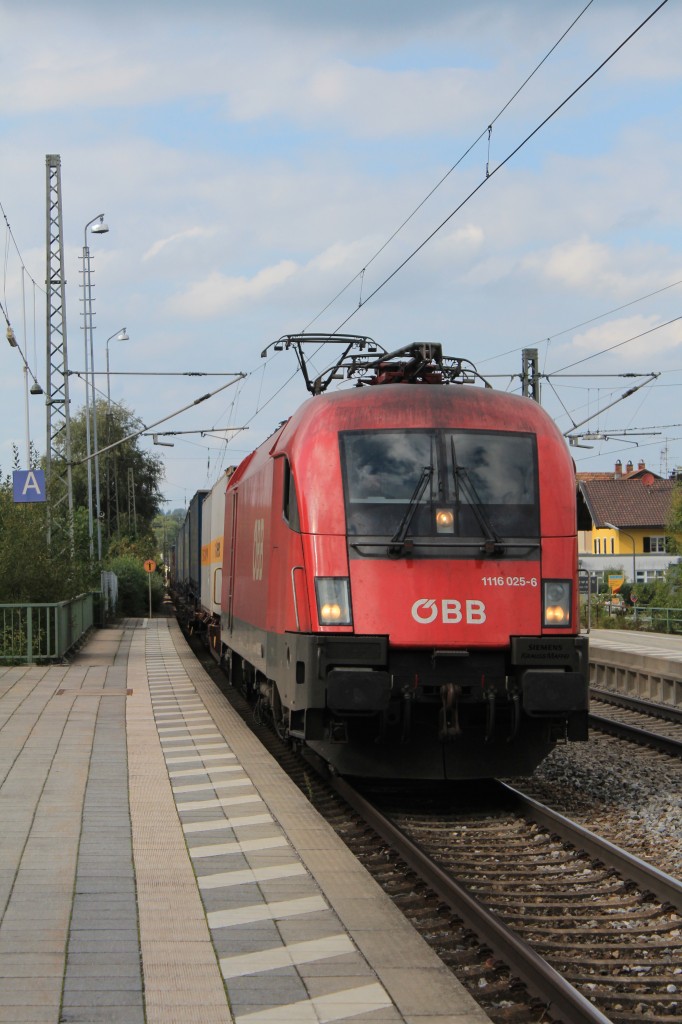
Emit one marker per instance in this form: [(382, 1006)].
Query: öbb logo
[(449, 610)]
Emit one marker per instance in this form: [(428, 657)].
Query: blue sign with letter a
[(28, 485)]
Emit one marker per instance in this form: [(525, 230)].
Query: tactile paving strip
[(283, 952)]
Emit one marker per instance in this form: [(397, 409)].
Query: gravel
[(627, 794)]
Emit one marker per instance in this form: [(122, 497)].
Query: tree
[(134, 584), (129, 477), (166, 527), (32, 571), (668, 591), (675, 516)]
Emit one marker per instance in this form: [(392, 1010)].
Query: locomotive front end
[(447, 613), (400, 578)]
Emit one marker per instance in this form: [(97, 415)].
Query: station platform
[(156, 867)]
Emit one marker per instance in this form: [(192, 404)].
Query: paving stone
[(70, 800)]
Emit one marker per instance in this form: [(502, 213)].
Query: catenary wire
[(487, 130), (583, 323), (499, 166), (618, 344), (471, 194)]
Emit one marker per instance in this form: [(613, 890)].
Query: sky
[(251, 159)]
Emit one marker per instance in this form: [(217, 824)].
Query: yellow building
[(623, 517)]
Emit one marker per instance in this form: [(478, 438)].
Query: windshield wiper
[(397, 542), (493, 543)]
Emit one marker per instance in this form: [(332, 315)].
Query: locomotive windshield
[(438, 487)]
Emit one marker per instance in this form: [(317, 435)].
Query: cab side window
[(289, 500)]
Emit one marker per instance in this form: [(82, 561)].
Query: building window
[(597, 547), (649, 575), (613, 545), (653, 545)]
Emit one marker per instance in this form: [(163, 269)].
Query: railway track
[(593, 932), (537, 917), (658, 726)]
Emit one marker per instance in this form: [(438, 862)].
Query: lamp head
[(100, 228), (123, 335)]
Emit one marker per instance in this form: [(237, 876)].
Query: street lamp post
[(632, 541), (120, 335), (98, 227)]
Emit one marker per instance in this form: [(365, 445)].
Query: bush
[(31, 569), (133, 586)]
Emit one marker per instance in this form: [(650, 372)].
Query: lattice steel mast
[(530, 374), (58, 446)]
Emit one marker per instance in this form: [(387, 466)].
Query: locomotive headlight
[(556, 602), (445, 521), (333, 600)]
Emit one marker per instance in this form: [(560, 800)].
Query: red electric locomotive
[(399, 587)]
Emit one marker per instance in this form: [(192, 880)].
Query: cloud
[(343, 257), (462, 241), (579, 264), (631, 338), (251, 158), (366, 102), (587, 265), (219, 293), (313, 73), (156, 248)]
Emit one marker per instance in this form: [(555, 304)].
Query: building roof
[(640, 500), (618, 473)]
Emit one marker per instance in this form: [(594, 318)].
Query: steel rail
[(664, 744), (647, 877), (664, 712), (541, 979)]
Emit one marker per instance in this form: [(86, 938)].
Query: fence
[(659, 620), (43, 632), (109, 585)]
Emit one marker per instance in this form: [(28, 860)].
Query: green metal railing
[(659, 620), (43, 632)]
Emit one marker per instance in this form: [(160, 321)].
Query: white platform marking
[(219, 801), (166, 740), (285, 956), (175, 716), (323, 1009), (265, 912), (208, 787), (196, 747), (250, 875), (197, 731), (220, 823), (199, 757), (210, 770), (165, 703), (246, 846)]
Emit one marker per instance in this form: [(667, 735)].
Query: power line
[(584, 323), (11, 337), (489, 174), (486, 131), (499, 167), (10, 234), (618, 344)]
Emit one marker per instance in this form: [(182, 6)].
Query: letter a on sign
[(28, 485)]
